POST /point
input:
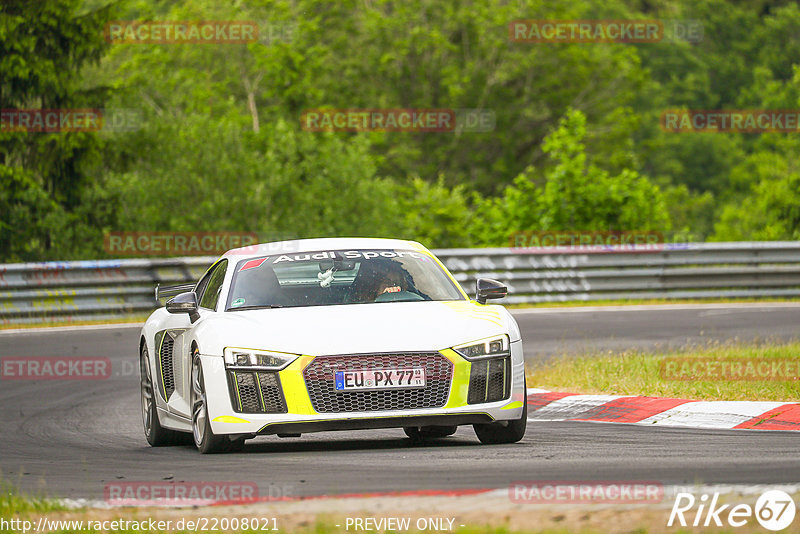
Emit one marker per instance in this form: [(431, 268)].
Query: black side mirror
[(184, 303), (486, 288)]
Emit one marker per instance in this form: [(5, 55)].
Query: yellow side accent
[(512, 405), (475, 310), (459, 389), (230, 419), (236, 386), (485, 313), (163, 388), (294, 387)]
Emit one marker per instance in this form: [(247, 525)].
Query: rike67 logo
[(774, 510)]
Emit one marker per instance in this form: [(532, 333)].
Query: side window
[(213, 286), (201, 285)]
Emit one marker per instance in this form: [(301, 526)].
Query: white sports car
[(330, 334)]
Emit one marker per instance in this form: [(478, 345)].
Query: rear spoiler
[(170, 291)]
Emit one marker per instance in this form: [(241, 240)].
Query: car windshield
[(325, 278)]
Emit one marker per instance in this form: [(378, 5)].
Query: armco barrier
[(75, 290), (65, 291)]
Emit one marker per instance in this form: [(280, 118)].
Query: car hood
[(355, 328)]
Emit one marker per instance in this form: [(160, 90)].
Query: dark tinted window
[(211, 291)]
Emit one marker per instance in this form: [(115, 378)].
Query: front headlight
[(490, 347), (257, 359)]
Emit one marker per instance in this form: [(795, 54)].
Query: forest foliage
[(218, 143)]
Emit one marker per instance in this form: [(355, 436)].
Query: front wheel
[(156, 435), (204, 438), (505, 432)]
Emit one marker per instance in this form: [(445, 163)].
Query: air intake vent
[(490, 380), (253, 392), (166, 368)]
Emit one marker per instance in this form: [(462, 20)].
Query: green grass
[(12, 502), (640, 373)]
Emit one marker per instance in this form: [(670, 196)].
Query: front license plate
[(385, 378)]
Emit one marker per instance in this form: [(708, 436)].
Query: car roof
[(321, 244)]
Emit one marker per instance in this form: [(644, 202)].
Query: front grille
[(489, 380), (165, 360), (320, 382), (256, 392)]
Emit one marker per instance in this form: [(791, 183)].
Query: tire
[(504, 432), (204, 438), (156, 435), (429, 432)]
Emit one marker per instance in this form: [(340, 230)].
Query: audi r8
[(330, 334)]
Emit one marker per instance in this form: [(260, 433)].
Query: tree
[(43, 47), (575, 195), (770, 210)]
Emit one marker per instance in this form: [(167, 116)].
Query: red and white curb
[(546, 405)]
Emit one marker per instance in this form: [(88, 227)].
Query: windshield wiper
[(258, 307)]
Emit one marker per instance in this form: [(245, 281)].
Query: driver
[(376, 277), (392, 282)]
